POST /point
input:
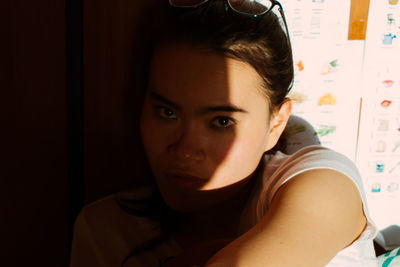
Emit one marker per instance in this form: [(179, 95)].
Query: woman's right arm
[(311, 218)]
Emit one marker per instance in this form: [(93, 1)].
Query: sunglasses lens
[(186, 3), (251, 7)]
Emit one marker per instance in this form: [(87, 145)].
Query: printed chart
[(349, 91), (327, 88), (379, 140)]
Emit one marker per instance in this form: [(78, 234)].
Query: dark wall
[(116, 56), (72, 75), (33, 118)]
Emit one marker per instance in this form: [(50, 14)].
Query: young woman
[(214, 111)]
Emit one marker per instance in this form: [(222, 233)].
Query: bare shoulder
[(314, 215), (326, 195), (323, 208)]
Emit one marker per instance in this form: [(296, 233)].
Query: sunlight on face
[(205, 123)]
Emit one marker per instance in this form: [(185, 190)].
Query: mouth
[(185, 180)]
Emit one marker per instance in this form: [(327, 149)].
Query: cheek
[(241, 159), (251, 141), (247, 150)]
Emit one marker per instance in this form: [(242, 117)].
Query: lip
[(185, 180), (388, 83)]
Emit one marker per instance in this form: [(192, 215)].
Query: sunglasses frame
[(274, 3)]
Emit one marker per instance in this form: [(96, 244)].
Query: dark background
[(72, 75)]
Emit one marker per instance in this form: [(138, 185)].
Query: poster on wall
[(327, 88), (378, 154)]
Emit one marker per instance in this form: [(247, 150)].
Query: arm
[(311, 218)]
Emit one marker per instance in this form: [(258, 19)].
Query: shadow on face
[(205, 125)]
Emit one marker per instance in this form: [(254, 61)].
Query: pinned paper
[(330, 67)]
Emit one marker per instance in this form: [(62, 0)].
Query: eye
[(165, 112), (222, 122)]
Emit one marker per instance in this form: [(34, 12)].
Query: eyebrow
[(165, 100), (210, 109)]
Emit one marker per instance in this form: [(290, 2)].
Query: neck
[(216, 222)]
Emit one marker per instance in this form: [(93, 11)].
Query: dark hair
[(261, 42)]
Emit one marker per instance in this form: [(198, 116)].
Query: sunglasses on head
[(253, 8), (249, 8)]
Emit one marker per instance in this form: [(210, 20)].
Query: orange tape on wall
[(358, 19)]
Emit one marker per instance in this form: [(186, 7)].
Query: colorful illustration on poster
[(376, 188), (324, 130), (327, 99), (386, 103), (388, 38), (330, 67), (379, 167)]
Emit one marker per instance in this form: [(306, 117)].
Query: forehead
[(184, 73)]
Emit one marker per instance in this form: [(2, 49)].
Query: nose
[(187, 146)]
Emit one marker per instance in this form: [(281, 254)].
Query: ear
[(278, 122)]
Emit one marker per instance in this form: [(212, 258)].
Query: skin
[(205, 116), (188, 132), (310, 219)]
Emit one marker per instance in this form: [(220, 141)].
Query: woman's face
[(205, 125)]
